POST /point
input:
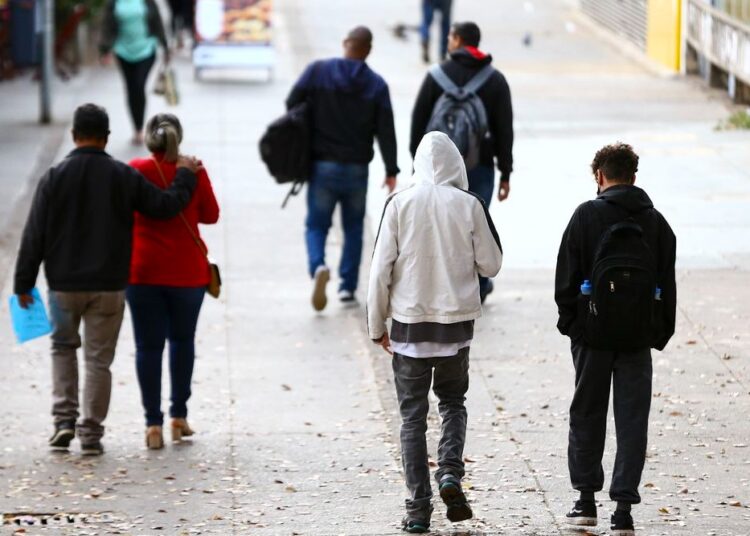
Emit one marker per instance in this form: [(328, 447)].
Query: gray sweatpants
[(413, 378), (101, 313)]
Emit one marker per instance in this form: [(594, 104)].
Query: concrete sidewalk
[(295, 412)]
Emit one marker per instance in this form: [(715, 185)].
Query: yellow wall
[(664, 26)]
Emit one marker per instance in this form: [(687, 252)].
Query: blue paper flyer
[(32, 322)]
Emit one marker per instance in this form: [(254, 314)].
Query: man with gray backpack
[(466, 98), (616, 297)]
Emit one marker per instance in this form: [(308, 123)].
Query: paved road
[(296, 411)]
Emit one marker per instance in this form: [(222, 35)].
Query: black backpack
[(460, 113), (622, 308), (285, 148)]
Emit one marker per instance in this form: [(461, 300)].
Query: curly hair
[(618, 162)]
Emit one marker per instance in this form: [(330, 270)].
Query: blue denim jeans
[(482, 183), (345, 184), (160, 313), (428, 14)]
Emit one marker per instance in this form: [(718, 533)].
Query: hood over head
[(627, 196), (349, 76), (439, 162)]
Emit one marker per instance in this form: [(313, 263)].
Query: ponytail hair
[(164, 135)]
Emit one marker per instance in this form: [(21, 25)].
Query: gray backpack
[(460, 113)]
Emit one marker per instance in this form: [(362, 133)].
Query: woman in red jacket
[(169, 272)]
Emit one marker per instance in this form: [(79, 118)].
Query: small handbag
[(214, 285), (166, 85)]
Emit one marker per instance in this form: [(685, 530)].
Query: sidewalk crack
[(476, 365)]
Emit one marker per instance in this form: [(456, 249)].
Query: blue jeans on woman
[(482, 183), (162, 313), (345, 184)]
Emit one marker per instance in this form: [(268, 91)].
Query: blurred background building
[(702, 37), (710, 38)]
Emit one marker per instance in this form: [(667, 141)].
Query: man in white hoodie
[(434, 242)]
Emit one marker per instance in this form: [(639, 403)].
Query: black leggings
[(136, 75)]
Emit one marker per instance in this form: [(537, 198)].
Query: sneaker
[(583, 514), (489, 287), (412, 526), (320, 279), (425, 52), (621, 524), (454, 498), (64, 434), (94, 448), (347, 297)]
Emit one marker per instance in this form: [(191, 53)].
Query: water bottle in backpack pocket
[(622, 310)]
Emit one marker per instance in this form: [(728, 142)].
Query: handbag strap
[(181, 215)]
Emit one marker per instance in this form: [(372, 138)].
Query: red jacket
[(164, 252)]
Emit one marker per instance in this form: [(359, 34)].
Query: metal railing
[(722, 40)]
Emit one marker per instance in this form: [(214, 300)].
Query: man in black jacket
[(80, 226), (466, 60), (350, 105), (629, 371)]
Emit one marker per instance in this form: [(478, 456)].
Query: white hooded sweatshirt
[(435, 239)]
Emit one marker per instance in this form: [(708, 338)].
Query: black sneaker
[(622, 524), (454, 498), (412, 526), (347, 297), (92, 449), (64, 434), (583, 514)]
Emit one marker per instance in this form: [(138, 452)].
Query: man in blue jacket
[(350, 105)]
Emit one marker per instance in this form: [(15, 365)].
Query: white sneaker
[(320, 280), (347, 297)]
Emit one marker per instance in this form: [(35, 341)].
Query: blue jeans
[(160, 313), (428, 14), (482, 183), (332, 183)]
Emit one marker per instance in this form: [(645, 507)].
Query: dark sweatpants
[(630, 373)]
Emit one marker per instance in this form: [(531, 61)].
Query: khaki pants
[(101, 313)]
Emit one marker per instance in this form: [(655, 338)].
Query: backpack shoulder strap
[(442, 79), (479, 79)]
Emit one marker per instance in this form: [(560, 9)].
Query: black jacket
[(81, 221), (495, 94), (579, 242), (350, 105), (109, 26)]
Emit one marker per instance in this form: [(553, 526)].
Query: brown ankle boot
[(154, 438), (180, 429)]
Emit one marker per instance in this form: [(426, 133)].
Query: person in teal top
[(132, 30)]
